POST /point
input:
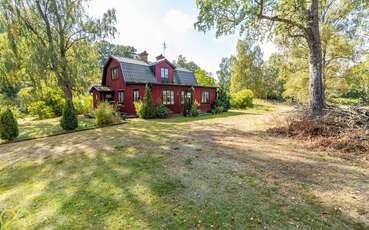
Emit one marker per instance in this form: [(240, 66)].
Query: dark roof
[(100, 88), (137, 71)]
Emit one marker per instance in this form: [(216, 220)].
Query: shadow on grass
[(182, 119)]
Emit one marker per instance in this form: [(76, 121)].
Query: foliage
[(187, 105), (105, 49), (83, 104), (40, 110), (161, 111), (194, 112), (104, 114), (217, 109), (182, 62), (203, 78), (147, 106), (246, 69), (69, 120), (345, 101), (8, 125), (139, 108), (242, 99), (223, 98)]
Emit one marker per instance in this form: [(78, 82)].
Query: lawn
[(210, 172)]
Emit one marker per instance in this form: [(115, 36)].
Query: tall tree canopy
[(184, 63), (54, 28), (292, 20), (105, 49)]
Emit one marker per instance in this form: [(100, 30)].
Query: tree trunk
[(317, 99)]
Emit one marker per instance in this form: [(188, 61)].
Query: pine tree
[(148, 108), (8, 125)]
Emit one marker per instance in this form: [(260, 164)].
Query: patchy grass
[(222, 173)]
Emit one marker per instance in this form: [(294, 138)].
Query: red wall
[(164, 65), (212, 97)]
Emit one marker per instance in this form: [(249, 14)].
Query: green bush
[(139, 108), (104, 114), (345, 101), (40, 110), (242, 99), (83, 104), (147, 106), (217, 109), (69, 120), (161, 111), (187, 107), (223, 98), (194, 112), (8, 125)]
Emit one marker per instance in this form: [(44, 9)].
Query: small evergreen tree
[(8, 125), (223, 98), (187, 106), (69, 119), (147, 107)]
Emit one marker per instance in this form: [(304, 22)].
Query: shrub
[(187, 107), (83, 104), (223, 98), (217, 110), (104, 114), (8, 125), (161, 111), (139, 108), (345, 101), (69, 120), (194, 112), (40, 110), (147, 106), (56, 103), (242, 99)]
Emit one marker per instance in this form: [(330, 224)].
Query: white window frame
[(168, 97), (121, 97), (188, 95), (164, 74), (114, 72), (136, 97), (205, 97)]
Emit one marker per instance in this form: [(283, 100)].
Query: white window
[(187, 94), (205, 97), (136, 95), (164, 74), (121, 97), (168, 97), (114, 74)]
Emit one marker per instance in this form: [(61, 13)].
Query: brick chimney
[(144, 56), (160, 57)]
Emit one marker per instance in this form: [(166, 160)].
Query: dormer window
[(164, 74), (114, 74)]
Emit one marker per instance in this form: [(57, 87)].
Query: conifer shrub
[(69, 120), (161, 111), (147, 106), (8, 125), (187, 106), (242, 99)]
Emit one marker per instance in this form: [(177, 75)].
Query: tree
[(147, 106), (203, 78), (8, 125), (105, 49), (69, 119), (182, 62), (289, 19), (246, 69), (224, 73), (54, 28)]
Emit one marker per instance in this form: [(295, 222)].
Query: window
[(136, 95), (114, 74), (188, 95), (168, 97), (121, 97), (164, 74), (205, 97)]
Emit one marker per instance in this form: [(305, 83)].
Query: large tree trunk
[(317, 99)]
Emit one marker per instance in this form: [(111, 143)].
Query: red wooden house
[(124, 81)]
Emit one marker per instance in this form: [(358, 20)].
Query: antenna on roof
[(164, 47)]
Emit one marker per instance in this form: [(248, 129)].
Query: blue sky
[(146, 24)]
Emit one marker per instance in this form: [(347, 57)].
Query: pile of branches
[(340, 128)]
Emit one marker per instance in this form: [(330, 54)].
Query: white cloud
[(179, 21)]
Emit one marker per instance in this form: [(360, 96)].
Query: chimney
[(160, 57), (144, 56)]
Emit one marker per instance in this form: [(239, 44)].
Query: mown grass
[(148, 175)]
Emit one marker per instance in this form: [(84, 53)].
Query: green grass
[(151, 175)]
